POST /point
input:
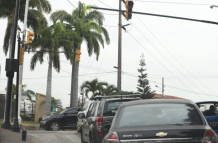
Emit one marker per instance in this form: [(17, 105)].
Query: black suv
[(64, 120), (97, 122)]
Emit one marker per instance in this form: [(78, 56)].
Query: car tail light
[(209, 137), (99, 122), (112, 138)]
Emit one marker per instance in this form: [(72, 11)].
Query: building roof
[(166, 96)]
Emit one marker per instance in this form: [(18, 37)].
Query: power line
[(166, 2), (173, 86), (110, 25), (158, 60), (104, 4), (172, 54), (71, 4)]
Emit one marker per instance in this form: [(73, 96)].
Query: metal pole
[(16, 127), (159, 15), (119, 72), (21, 66), (24, 108), (162, 86), (72, 77), (10, 72)]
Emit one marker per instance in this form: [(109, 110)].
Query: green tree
[(35, 17), (56, 103), (143, 84), (88, 24), (29, 94), (50, 41), (93, 86), (14, 87), (108, 90)]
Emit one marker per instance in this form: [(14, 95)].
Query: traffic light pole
[(10, 67), (21, 66), (159, 15), (119, 71)]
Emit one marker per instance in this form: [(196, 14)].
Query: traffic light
[(78, 53), (129, 6), (29, 37), (21, 56)]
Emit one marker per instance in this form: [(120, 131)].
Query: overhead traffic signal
[(29, 37), (78, 53), (129, 6)]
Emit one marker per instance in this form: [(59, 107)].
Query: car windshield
[(159, 114), (63, 111), (111, 108)]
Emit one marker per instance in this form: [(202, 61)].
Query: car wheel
[(54, 126), (82, 140)]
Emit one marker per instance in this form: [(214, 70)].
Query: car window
[(111, 108), (72, 111), (85, 106), (92, 112), (90, 109), (208, 109), (159, 114)]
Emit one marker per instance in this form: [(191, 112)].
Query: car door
[(85, 123), (70, 118)]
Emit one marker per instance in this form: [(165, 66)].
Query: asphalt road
[(54, 137)]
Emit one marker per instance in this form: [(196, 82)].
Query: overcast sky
[(183, 52)]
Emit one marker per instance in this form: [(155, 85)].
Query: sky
[(183, 52)]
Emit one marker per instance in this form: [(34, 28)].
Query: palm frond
[(36, 57), (61, 15), (56, 62), (7, 39)]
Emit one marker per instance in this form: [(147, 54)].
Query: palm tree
[(29, 94), (108, 90), (35, 17), (56, 103), (93, 86), (49, 41), (87, 24)]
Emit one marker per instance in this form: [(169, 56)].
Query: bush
[(25, 117)]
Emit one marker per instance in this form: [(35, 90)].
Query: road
[(54, 137)]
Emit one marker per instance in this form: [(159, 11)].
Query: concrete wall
[(39, 106)]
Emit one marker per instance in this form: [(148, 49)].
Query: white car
[(84, 110)]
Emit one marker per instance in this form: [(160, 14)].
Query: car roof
[(202, 102), (119, 99), (158, 101)]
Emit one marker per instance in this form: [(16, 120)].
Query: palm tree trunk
[(48, 89), (74, 101)]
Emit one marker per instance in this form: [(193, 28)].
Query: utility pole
[(163, 86), (10, 68), (119, 71), (21, 66)]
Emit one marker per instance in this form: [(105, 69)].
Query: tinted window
[(111, 108), (72, 111), (159, 114), (90, 109)]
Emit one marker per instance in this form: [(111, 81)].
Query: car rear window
[(111, 107), (159, 114)]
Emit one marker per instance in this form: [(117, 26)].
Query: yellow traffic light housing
[(78, 53), (129, 6), (29, 37)]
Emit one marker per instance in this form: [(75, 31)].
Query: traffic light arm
[(158, 15)]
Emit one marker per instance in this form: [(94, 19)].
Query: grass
[(25, 123)]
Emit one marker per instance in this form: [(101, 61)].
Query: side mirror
[(81, 116)]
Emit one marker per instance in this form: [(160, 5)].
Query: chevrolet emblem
[(161, 134)]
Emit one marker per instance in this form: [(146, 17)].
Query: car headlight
[(43, 122), (45, 117)]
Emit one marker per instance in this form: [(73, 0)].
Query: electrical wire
[(71, 4), (168, 60), (167, 2), (172, 54), (110, 25), (159, 61), (173, 86)]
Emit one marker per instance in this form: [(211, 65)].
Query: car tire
[(54, 126), (82, 140)]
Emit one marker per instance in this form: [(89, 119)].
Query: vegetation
[(143, 84), (50, 40), (88, 24), (35, 17), (57, 103)]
